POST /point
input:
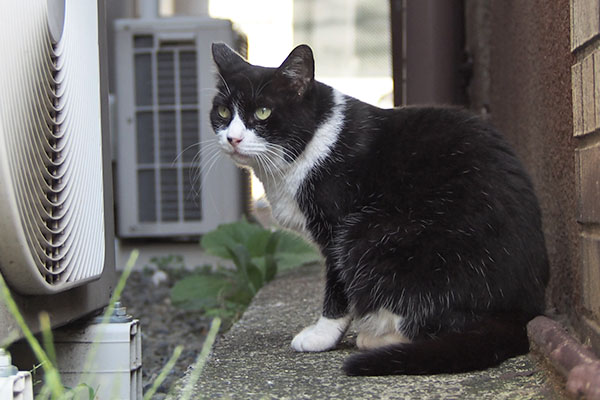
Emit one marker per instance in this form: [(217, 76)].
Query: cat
[(429, 225)]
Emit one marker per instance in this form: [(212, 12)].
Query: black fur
[(425, 212)]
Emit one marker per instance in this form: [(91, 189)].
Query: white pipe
[(196, 8), (147, 9)]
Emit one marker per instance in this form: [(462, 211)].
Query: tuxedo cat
[(429, 225)]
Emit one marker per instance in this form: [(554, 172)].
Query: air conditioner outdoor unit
[(168, 184), (56, 219)]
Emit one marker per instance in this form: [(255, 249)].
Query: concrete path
[(254, 359)]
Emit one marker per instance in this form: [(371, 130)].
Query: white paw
[(324, 335)]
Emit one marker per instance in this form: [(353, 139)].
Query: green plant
[(257, 255)]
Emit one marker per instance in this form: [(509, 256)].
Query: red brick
[(588, 165), (585, 21), (590, 249), (577, 93), (589, 101)]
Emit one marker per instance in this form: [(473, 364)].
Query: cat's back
[(443, 131), (426, 147)]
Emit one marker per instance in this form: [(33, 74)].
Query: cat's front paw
[(324, 335)]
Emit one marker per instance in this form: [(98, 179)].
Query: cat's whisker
[(281, 152), (251, 86), (203, 144), (224, 83), (262, 86), (274, 153), (183, 151), (268, 166), (204, 169), (275, 168), (211, 89)]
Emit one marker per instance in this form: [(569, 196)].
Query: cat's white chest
[(285, 208), (282, 189)]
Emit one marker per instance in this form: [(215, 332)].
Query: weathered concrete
[(254, 360)]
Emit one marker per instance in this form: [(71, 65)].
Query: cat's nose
[(233, 140)]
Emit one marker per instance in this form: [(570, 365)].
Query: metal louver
[(167, 116), (51, 185)]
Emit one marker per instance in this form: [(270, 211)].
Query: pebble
[(159, 277)]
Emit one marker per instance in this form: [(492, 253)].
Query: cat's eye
[(223, 112), (262, 113)]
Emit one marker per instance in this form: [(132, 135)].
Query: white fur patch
[(320, 146), (364, 341), (324, 335), (282, 192), (379, 329), (379, 323)]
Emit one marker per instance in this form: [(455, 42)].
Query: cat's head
[(263, 117)]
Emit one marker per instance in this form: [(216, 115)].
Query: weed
[(257, 254), (52, 387)]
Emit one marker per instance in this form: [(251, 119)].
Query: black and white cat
[(429, 225)]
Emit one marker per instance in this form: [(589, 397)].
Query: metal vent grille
[(167, 124), (50, 148)]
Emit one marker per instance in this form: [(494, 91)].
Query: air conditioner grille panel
[(167, 129), (50, 135)]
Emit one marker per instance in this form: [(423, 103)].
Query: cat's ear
[(297, 72), (226, 58)]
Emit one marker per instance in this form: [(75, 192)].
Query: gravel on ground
[(163, 327)]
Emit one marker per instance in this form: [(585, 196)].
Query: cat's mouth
[(240, 157)]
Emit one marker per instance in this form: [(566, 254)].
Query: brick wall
[(585, 82)]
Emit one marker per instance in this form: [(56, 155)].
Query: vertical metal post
[(427, 42), (397, 32)]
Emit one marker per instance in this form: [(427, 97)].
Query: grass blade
[(201, 360), (164, 372), (52, 375), (111, 306), (47, 336)]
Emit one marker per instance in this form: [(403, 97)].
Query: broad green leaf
[(238, 294), (199, 292), (252, 236), (255, 277), (241, 258), (271, 246), (257, 243), (270, 267), (293, 251)]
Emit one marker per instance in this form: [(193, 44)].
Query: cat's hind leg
[(379, 329)]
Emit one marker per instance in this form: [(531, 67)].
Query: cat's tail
[(484, 344)]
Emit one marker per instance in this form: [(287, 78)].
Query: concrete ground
[(254, 359)]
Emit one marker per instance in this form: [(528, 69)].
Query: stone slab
[(254, 359)]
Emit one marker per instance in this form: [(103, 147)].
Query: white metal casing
[(52, 221), (16, 387), (72, 104), (111, 355), (165, 84)]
